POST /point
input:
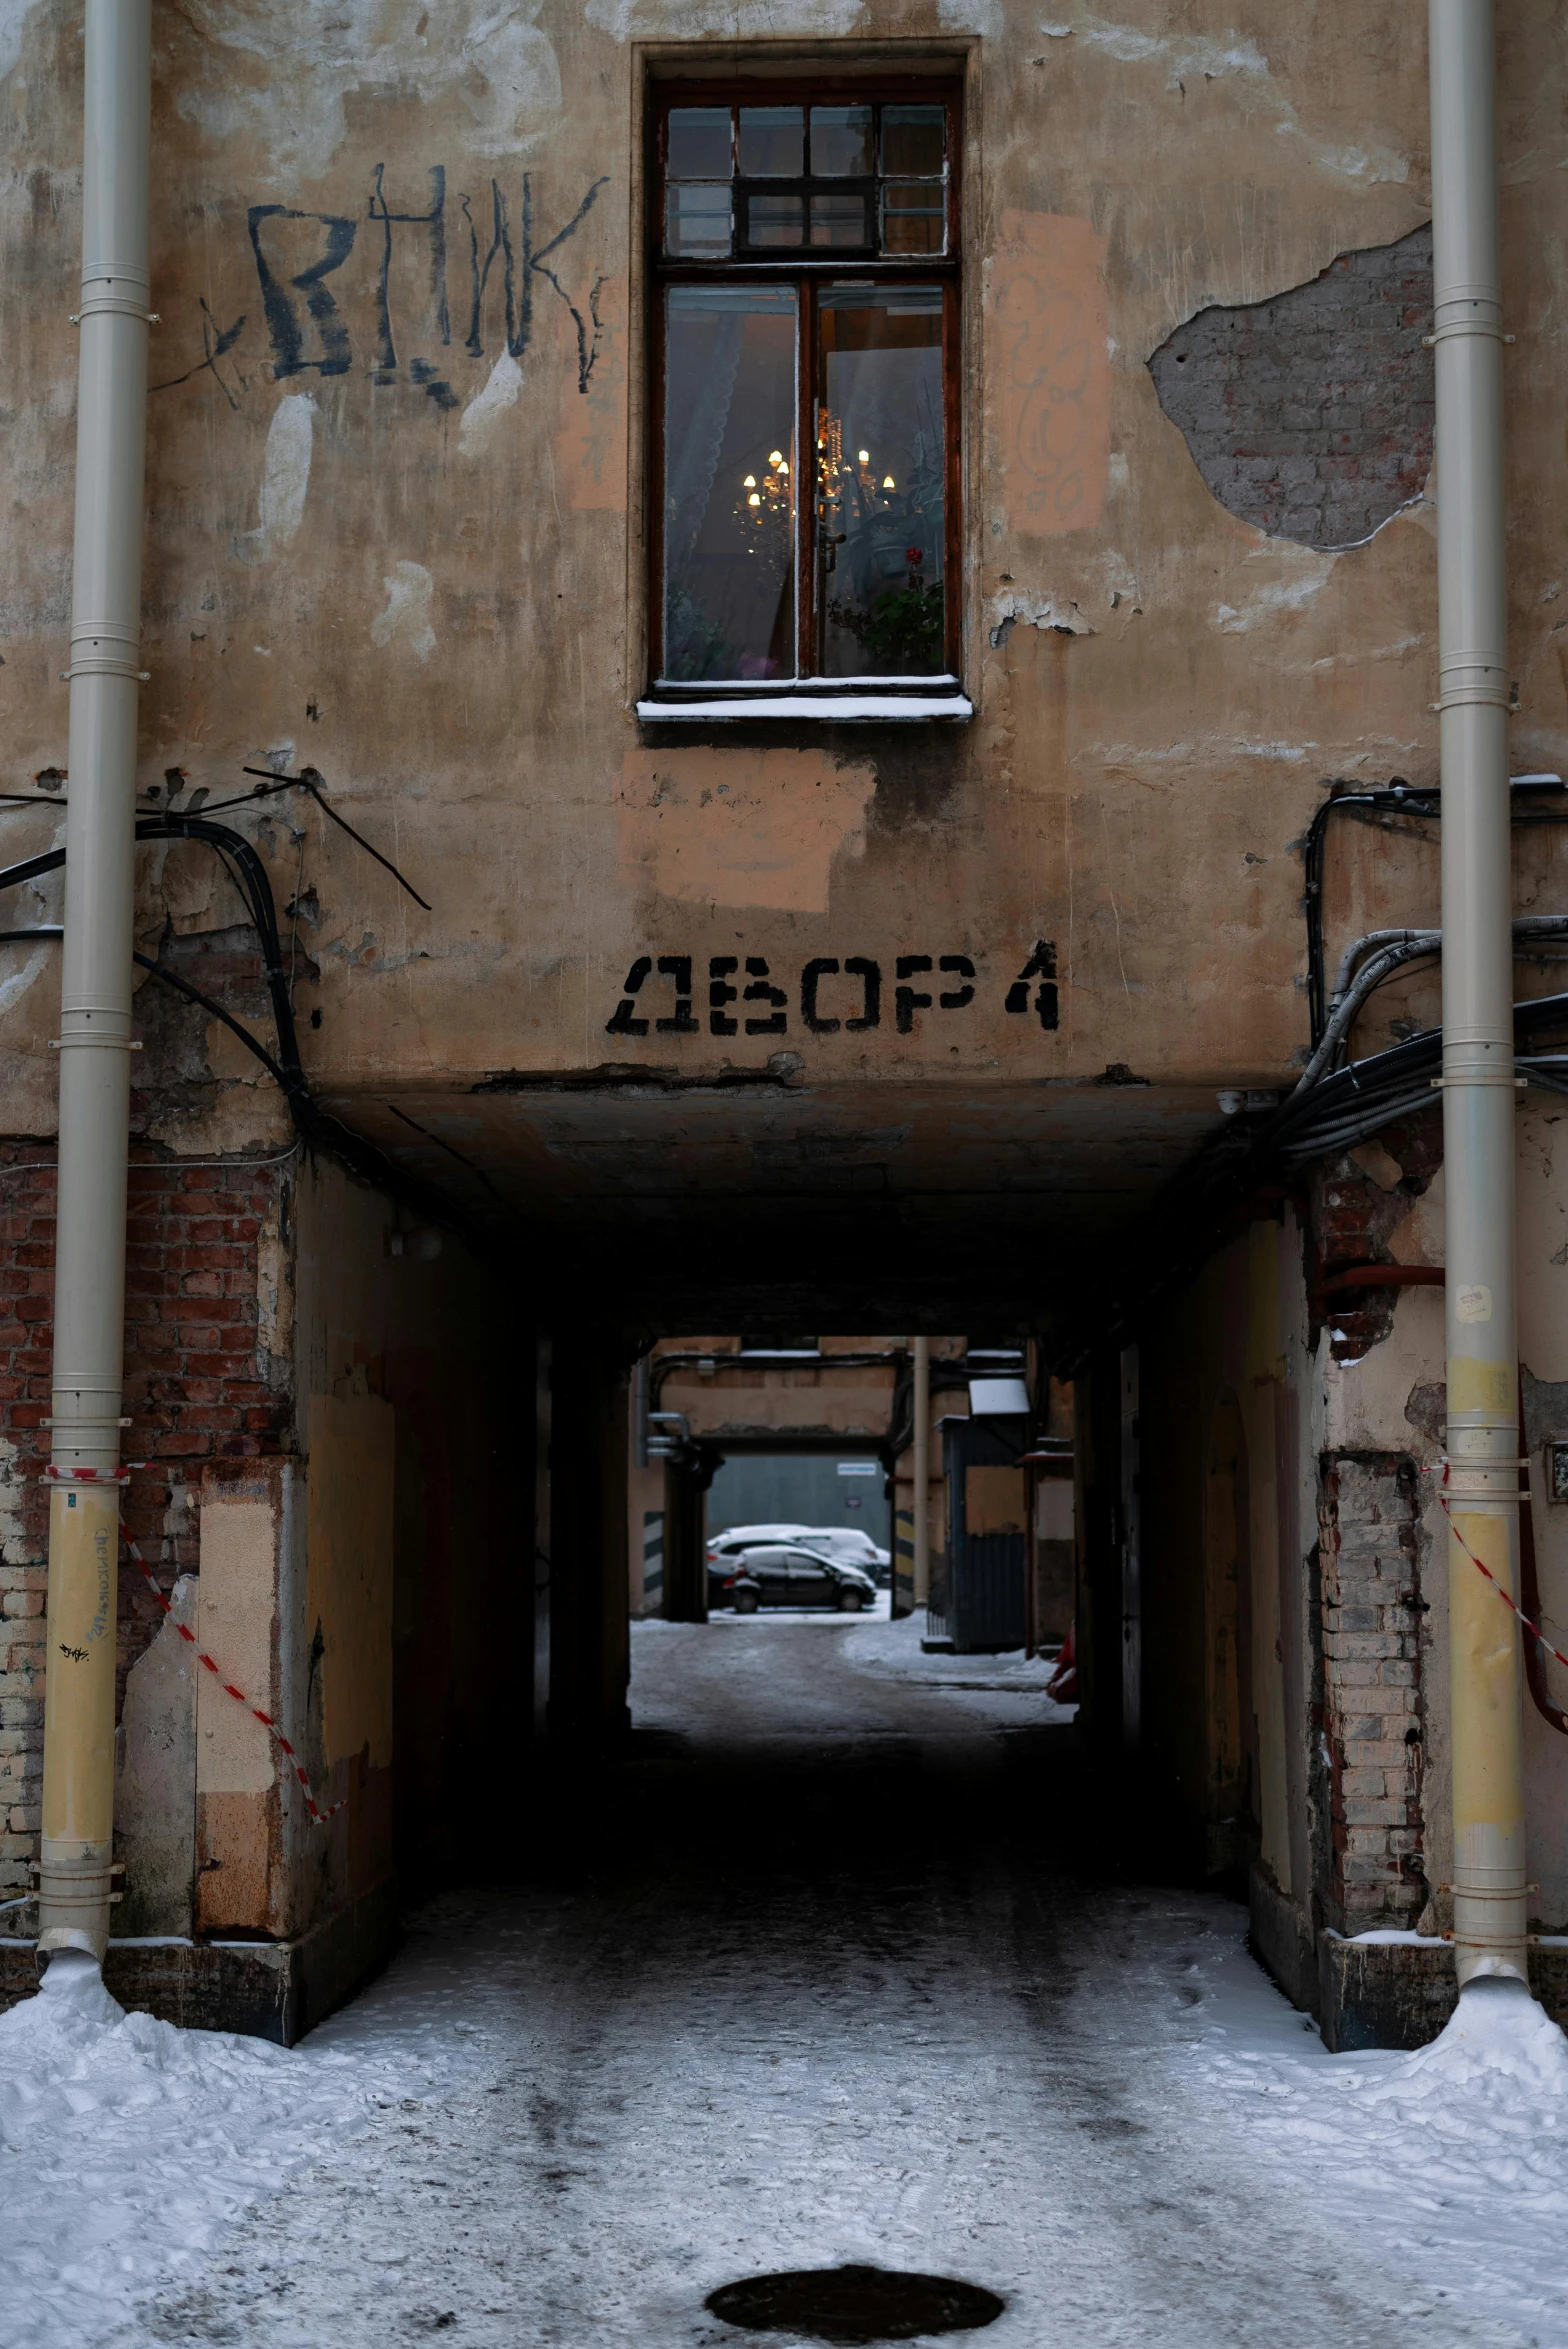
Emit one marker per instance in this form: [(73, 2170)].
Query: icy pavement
[(811, 1981)]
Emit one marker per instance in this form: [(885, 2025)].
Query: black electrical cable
[(182, 986), (1403, 1075), (308, 780), (315, 1126), (1397, 798), (192, 994), (1253, 1152)]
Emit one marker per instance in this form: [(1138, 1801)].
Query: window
[(805, 422)]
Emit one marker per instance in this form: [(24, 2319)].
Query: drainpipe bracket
[(1464, 697)]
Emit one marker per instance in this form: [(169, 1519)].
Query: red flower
[(913, 555)]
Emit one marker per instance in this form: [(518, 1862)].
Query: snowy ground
[(811, 1981)]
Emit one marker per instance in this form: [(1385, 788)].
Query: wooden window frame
[(800, 270)]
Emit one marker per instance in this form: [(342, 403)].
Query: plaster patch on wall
[(195, 893), (984, 17), (1048, 312), (1177, 54), (1420, 1236), (15, 1549), (43, 901), (285, 479), (274, 1285), (283, 71), (1304, 578), (501, 392), (235, 1607), (1029, 611), (155, 1774), (13, 22), (406, 619), (16, 983), (1180, 57), (736, 20), (1310, 414), (741, 828)]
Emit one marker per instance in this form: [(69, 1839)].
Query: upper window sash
[(807, 181)]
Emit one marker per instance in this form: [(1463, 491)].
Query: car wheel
[(746, 1602), (849, 1600)]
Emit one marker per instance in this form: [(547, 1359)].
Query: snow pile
[(1484, 2101), (1454, 2156), (893, 1651), (127, 2146)]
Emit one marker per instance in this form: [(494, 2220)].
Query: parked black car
[(778, 1574)]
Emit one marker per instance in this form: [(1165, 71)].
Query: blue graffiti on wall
[(298, 254)]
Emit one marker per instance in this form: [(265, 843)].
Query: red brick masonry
[(198, 1387)]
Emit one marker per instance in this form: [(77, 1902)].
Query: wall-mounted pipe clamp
[(124, 294)]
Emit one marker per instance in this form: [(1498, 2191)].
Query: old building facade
[(702, 903)]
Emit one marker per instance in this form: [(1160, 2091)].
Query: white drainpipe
[(1478, 1053), (921, 1562), (95, 991)]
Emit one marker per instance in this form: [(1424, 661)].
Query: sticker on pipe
[(1473, 1304)]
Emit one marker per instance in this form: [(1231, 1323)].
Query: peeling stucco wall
[(396, 515), (397, 498), (1310, 415)]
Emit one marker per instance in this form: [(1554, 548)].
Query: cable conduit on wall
[(317, 1127)]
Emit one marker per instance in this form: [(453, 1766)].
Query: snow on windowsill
[(1389, 1934), (153, 1941), (1392, 1935), (843, 707)]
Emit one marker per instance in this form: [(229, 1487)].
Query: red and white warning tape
[(319, 1817), (1534, 1629)]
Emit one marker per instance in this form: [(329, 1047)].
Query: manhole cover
[(854, 2304)]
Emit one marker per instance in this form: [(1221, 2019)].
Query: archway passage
[(826, 1970)]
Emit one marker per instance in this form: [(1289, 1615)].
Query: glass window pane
[(729, 483), (881, 453), (839, 220), (913, 140), (698, 144), (772, 141), (697, 222), (841, 142), (914, 216), (775, 220)]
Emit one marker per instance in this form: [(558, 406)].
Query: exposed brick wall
[(1371, 1701), (1350, 1218), (197, 1388), (1310, 415)]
